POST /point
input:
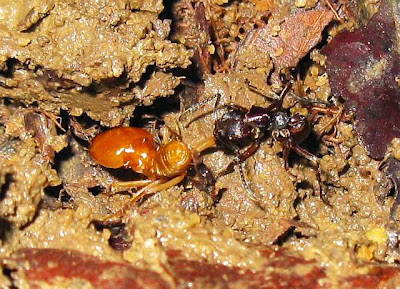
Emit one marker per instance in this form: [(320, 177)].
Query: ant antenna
[(246, 184), (278, 101), (300, 95), (278, 104), (285, 91), (218, 96), (259, 91)]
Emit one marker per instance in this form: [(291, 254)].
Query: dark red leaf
[(46, 266), (281, 269), (364, 67)]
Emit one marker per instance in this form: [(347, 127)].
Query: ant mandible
[(164, 166)]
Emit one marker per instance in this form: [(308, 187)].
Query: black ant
[(241, 131)]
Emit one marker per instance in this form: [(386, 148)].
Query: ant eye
[(296, 119)]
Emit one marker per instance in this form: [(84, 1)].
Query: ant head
[(298, 126), (297, 123)]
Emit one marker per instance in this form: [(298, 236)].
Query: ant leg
[(259, 91), (326, 110), (287, 148), (240, 158), (278, 102), (335, 142), (195, 107), (335, 111), (332, 139), (315, 160), (306, 154), (328, 2)]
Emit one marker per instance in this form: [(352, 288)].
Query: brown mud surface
[(71, 69)]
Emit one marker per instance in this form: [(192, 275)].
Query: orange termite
[(131, 147)]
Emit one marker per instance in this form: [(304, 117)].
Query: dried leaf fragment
[(35, 14), (291, 41), (282, 227)]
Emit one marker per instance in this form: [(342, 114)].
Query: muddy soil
[(71, 69)]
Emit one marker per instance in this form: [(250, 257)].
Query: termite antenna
[(195, 107)]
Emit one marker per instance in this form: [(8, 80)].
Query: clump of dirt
[(28, 144), (87, 56)]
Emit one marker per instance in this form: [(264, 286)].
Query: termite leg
[(151, 188), (157, 186), (115, 186)]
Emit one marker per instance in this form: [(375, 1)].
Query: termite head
[(173, 159)]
